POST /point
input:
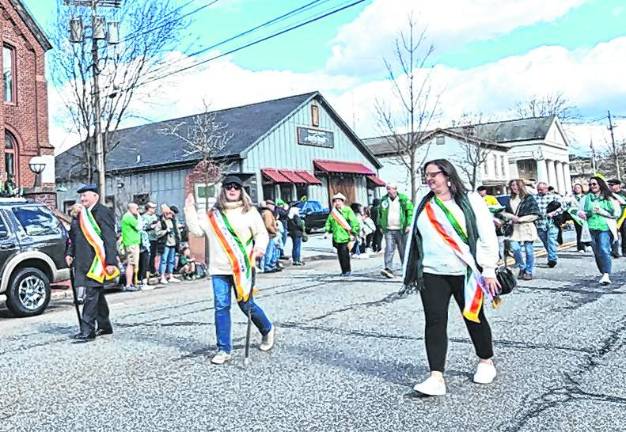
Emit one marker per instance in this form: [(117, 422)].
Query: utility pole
[(593, 157), (111, 36), (615, 155)]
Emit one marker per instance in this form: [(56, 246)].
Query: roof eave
[(27, 17)]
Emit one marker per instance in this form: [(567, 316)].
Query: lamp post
[(37, 164), (98, 32)]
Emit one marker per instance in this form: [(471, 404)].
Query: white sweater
[(246, 225), (439, 258)]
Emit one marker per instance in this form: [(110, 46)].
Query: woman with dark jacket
[(295, 229), (523, 210)]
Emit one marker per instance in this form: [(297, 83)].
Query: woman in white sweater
[(452, 252), (237, 237)]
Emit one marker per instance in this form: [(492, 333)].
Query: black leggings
[(344, 257), (436, 299)]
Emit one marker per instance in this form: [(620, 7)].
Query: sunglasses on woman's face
[(593, 184), (230, 186)]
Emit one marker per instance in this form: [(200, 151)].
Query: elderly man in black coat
[(95, 232)]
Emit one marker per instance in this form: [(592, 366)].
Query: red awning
[(343, 167), (309, 178), (292, 176), (376, 180), (274, 175)]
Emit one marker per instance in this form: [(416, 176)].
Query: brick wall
[(27, 118)]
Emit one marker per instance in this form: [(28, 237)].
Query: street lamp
[(37, 164)]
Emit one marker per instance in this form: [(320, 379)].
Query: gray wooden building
[(289, 148)]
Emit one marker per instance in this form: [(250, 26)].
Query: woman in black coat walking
[(295, 228)]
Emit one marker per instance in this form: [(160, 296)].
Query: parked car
[(32, 255), (313, 214)]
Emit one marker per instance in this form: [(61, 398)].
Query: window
[(141, 199), (315, 115), (286, 192), (302, 190), (440, 140), (37, 221), (502, 166), (4, 232), (269, 191), (8, 73), (67, 206), (10, 156)]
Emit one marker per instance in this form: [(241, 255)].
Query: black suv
[(32, 255)]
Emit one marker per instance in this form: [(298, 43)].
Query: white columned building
[(560, 177), (542, 170), (551, 173), (568, 178)]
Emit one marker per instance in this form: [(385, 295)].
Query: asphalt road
[(348, 354)]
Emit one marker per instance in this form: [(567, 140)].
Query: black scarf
[(413, 264), (528, 206)]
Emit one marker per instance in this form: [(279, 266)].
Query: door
[(344, 185), (8, 243)]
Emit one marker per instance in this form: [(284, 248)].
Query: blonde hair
[(222, 200), (521, 187)]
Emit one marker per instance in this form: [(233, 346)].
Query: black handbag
[(507, 229), (506, 279)]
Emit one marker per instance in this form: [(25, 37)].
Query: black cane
[(75, 299), (246, 359)]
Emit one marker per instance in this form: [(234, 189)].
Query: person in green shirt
[(131, 239), (395, 217), (343, 224), (601, 210)]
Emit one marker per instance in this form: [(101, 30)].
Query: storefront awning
[(377, 181), (309, 178), (274, 175), (343, 167), (292, 176)]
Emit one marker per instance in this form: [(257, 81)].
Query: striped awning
[(274, 175), (343, 167), (310, 179)]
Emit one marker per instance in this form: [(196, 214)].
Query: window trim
[(16, 155), (315, 115), (11, 48)]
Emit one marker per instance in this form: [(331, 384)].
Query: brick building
[(24, 112)]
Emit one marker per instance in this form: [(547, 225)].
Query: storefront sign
[(315, 137)]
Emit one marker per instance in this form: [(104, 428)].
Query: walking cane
[(75, 294), (246, 359)]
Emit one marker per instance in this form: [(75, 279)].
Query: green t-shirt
[(130, 230)]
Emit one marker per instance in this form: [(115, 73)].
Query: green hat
[(280, 202)]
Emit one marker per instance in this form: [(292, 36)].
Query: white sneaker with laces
[(172, 279), (432, 386), (604, 280), (485, 373), (163, 280), (267, 342), (221, 357)]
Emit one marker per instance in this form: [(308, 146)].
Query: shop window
[(141, 199), (8, 73), (269, 191), (286, 192), (315, 115), (302, 191), (10, 156)]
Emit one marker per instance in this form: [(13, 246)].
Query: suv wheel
[(28, 293)]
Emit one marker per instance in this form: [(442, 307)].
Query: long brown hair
[(456, 186), (222, 200), (521, 187)]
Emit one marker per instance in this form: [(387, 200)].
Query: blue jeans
[(284, 238), (168, 257), (601, 244), (297, 249), (525, 265), (222, 285), (548, 238), (268, 259)]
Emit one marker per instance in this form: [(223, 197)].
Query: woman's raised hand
[(190, 201)]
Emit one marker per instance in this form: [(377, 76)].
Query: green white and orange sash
[(338, 217), (240, 260), (453, 234), (93, 234)]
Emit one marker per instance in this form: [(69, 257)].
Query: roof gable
[(32, 25), (527, 129)]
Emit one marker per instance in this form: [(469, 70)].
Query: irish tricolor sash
[(338, 216), (240, 260), (92, 233), (453, 235)]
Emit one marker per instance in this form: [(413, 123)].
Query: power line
[(166, 23), (256, 42), (275, 20)]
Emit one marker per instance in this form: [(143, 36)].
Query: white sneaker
[(267, 342), (485, 373), (147, 287), (172, 279), (604, 280), (431, 387), (221, 357), (163, 280)]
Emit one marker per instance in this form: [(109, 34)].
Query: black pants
[(377, 240), (344, 257), (436, 299), (153, 255), (95, 310), (144, 262), (580, 245)]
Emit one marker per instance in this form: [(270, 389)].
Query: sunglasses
[(594, 184), (230, 186)]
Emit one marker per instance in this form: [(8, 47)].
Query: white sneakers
[(433, 386), (485, 373), (267, 342), (163, 280), (172, 279), (436, 386), (221, 357), (604, 280)]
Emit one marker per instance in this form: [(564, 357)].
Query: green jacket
[(340, 235), (130, 230), (596, 221), (406, 212)]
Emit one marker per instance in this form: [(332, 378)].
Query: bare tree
[(410, 77), (550, 104), (152, 29)]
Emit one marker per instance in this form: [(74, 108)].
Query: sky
[(488, 55)]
